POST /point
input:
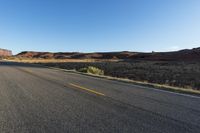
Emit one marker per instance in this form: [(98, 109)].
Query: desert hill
[(76, 55), (185, 55)]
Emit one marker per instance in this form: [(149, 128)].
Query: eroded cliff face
[(5, 52)]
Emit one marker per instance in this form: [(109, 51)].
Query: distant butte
[(5, 52)]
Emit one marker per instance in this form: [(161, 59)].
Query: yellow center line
[(83, 88)]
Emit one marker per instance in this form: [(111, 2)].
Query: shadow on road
[(17, 64)]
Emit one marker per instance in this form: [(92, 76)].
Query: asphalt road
[(34, 99)]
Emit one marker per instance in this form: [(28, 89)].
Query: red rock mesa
[(5, 52)]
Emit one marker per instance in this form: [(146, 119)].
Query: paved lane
[(34, 99)]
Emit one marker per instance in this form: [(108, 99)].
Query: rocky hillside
[(76, 55), (185, 55), (5, 52)]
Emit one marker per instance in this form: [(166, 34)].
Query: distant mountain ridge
[(186, 54)]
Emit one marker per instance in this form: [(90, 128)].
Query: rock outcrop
[(5, 52)]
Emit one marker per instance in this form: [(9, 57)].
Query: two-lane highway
[(36, 99)]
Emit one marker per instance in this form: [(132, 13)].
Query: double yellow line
[(86, 89)]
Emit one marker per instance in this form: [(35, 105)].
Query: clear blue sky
[(99, 25)]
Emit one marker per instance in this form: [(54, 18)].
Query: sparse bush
[(92, 70)]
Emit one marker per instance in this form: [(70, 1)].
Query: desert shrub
[(92, 70)]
